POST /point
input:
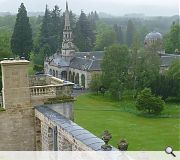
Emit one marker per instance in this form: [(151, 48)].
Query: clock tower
[(68, 48)]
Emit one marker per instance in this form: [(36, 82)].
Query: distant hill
[(30, 14), (35, 14), (5, 13)]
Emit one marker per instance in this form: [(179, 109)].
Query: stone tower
[(17, 118), (68, 48)]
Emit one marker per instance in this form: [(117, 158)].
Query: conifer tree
[(119, 34), (84, 35), (130, 33), (21, 41)]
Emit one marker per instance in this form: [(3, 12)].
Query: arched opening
[(57, 74), (38, 134), (54, 73), (64, 75), (73, 77), (70, 76), (50, 71), (50, 139), (77, 78), (83, 80)]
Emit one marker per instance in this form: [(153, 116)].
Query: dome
[(153, 38)]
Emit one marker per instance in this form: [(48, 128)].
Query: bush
[(149, 103), (38, 67)]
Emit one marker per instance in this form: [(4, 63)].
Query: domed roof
[(153, 36)]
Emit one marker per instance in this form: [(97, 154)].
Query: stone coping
[(72, 128), (14, 62)]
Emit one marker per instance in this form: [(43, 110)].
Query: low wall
[(55, 132)]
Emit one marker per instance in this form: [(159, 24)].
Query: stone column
[(17, 131), (15, 82)]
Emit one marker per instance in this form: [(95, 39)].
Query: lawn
[(98, 113)]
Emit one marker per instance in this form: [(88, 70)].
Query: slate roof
[(85, 64), (91, 61), (58, 61), (72, 128), (167, 59)]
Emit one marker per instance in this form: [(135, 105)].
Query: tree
[(172, 41), (149, 103), (119, 34), (45, 32), (174, 70), (5, 46), (95, 83), (84, 35), (130, 33), (105, 37), (21, 41), (115, 67), (145, 67), (165, 86)]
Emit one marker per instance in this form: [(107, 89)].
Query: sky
[(113, 7)]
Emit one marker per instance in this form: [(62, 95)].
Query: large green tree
[(21, 41), (130, 33), (119, 34), (105, 39), (144, 68), (115, 67), (172, 39), (84, 35)]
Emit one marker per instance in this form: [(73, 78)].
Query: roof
[(89, 61), (153, 35), (85, 64), (58, 61), (166, 60), (72, 128), (94, 54)]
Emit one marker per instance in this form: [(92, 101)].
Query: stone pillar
[(15, 82), (17, 130)]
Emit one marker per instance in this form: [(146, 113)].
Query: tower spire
[(67, 21), (66, 5), (67, 49)]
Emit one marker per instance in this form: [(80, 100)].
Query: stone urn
[(123, 145), (106, 137)]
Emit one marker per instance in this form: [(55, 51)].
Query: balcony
[(47, 86)]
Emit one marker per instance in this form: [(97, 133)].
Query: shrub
[(149, 103)]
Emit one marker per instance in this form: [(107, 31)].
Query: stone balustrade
[(47, 85), (43, 90)]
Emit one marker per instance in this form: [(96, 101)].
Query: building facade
[(77, 67)]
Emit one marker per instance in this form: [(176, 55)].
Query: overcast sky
[(114, 7)]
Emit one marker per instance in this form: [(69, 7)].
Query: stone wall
[(17, 129), (60, 133)]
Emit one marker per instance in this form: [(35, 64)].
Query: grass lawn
[(98, 113)]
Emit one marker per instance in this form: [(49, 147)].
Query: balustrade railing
[(54, 86), (43, 90)]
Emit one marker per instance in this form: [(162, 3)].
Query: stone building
[(154, 42), (77, 67)]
